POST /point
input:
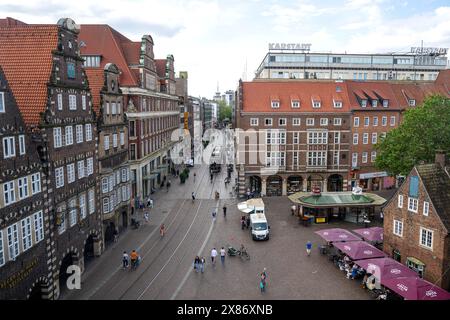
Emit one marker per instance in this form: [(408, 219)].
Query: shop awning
[(385, 268), (337, 234), (416, 261), (336, 199), (250, 205), (416, 289), (370, 234), (358, 250)]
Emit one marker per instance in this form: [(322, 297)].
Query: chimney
[(440, 158)]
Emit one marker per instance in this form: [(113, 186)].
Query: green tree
[(424, 130), (225, 111)]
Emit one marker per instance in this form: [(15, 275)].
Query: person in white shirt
[(213, 255), (222, 255)]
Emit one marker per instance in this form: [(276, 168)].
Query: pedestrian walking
[(293, 209), (222, 255), (194, 176), (262, 285), (264, 274), (193, 196), (197, 264), (308, 248), (116, 235), (243, 222), (211, 176), (202, 264), (125, 260), (146, 216), (214, 215), (224, 211), (248, 222), (213, 256)]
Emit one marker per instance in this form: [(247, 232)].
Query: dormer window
[(374, 103), (275, 104), (337, 103), (364, 103), (295, 104), (412, 102), (385, 103)]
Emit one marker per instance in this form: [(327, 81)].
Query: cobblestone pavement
[(167, 271)]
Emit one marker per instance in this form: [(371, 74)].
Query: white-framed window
[(363, 103), (295, 104), (385, 103), (337, 104), (323, 121), (9, 195), (114, 108), (35, 183), (366, 121), (69, 135), (268, 121), (112, 182), (72, 212), (114, 140), (57, 137), (106, 142), (336, 158), (373, 156), (23, 187), (276, 137), (364, 157), (426, 208), (295, 121), (295, 158), (90, 166), (337, 137), (253, 121), (117, 176), (375, 121), (365, 138), (124, 174), (413, 204), (79, 133), (26, 233), (9, 147), (122, 138), (107, 108), (70, 173), (354, 159), (317, 158), (398, 228), (72, 102), (2, 106), (317, 137), (21, 144), (374, 138), (2, 253), (411, 102), (13, 241), (275, 104), (88, 128), (91, 200), (426, 238), (316, 104), (374, 103), (80, 167), (356, 121), (82, 201), (124, 193), (59, 177), (38, 226), (275, 158), (337, 121), (105, 185), (400, 201), (295, 137), (83, 102), (105, 205), (384, 121), (282, 121), (355, 138), (60, 101), (62, 223), (392, 121), (309, 121)]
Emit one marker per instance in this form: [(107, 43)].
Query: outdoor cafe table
[(370, 234), (416, 289), (337, 234), (358, 250), (385, 268)]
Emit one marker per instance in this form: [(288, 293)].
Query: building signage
[(186, 120), (373, 175), (290, 46), (428, 50)]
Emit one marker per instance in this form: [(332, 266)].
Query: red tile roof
[(132, 51), (257, 96), (96, 78), (113, 46), (373, 90), (26, 59), (11, 22), (161, 67)]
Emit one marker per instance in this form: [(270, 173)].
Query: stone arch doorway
[(109, 236), (69, 259), (88, 252), (255, 184), (314, 180), (274, 186), (294, 184), (335, 183), (124, 219), (39, 290)]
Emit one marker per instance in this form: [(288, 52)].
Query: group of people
[(245, 222), (133, 259)]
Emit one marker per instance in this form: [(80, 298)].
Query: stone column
[(324, 185), (305, 184), (263, 186), (284, 187)]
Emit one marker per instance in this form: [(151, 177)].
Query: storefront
[(374, 181), (274, 186), (294, 184)]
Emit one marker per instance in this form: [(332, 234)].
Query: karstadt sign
[(290, 46)]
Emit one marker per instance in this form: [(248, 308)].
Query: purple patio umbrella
[(416, 289), (370, 234), (358, 250), (337, 234), (386, 268)]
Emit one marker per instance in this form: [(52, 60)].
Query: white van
[(259, 227)]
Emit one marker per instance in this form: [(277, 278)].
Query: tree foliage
[(225, 112), (423, 131)]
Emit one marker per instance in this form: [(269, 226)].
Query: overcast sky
[(216, 41)]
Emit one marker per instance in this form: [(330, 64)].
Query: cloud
[(127, 25)]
